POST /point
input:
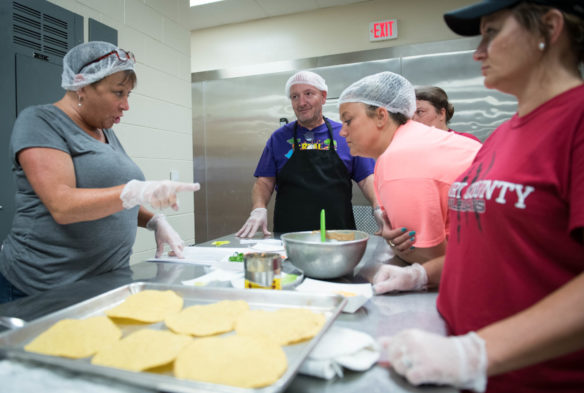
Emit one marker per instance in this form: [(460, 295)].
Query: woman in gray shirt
[(79, 196)]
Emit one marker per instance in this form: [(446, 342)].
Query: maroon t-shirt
[(516, 219)]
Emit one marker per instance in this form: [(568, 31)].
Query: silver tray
[(12, 342)]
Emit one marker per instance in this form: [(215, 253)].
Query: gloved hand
[(378, 214), (258, 216), (165, 234), (423, 357), (158, 194), (394, 278)]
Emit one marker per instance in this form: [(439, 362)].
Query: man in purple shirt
[(309, 165)]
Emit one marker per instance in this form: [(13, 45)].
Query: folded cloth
[(358, 352)]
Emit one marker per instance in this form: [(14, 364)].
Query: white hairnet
[(386, 89), (306, 78), (81, 66)]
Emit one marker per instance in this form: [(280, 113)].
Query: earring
[(79, 101), (541, 45)]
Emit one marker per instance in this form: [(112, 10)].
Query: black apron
[(312, 180)]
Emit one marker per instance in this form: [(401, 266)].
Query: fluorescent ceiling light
[(195, 3)]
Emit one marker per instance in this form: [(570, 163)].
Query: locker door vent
[(39, 31)]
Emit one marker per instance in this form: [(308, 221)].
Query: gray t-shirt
[(38, 254)]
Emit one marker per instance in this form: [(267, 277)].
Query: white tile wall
[(159, 169), (155, 144), (173, 35), (113, 9), (183, 18), (160, 56), (157, 130), (132, 40), (143, 18), (184, 65), (163, 86), (169, 9), (151, 112)]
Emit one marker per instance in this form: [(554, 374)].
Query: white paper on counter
[(363, 292), (264, 245), (218, 275), (269, 245), (218, 257)]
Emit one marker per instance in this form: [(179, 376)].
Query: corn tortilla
[(76, 338), (142, 350), (147, 306), (285, 326), (207, 320), (247, 362)]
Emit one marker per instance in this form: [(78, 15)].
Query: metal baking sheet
[(12, 342)]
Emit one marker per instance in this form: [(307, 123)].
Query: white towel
[(358, 352)]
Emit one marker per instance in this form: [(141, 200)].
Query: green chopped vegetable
[(236, 257)]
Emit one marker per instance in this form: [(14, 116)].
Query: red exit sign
[(383, 30)]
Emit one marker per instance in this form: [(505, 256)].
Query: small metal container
[(263, 270)]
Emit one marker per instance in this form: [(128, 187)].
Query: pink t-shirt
[(517, 216), (413, 175), (466, 134)]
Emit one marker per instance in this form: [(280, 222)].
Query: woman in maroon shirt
[(512, 281)]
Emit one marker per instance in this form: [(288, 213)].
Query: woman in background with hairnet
[(79, 196), (415, 167), (512, 282)]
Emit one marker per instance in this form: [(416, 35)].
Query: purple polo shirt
[(280, 146)]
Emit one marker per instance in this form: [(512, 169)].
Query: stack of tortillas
[(251, 358)]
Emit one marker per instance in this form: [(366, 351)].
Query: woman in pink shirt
[(416, 164)]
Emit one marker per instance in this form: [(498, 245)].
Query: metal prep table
[(382, 315)]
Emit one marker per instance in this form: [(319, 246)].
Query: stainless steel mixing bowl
[(331, 259)]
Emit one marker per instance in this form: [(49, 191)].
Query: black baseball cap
[(466, 21)]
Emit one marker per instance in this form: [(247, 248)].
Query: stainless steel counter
[(381, 315)]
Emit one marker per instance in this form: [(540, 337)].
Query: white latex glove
[(165, 234), (258, 216), (391, 278), (379, 219), (423, 357), (158, 194)]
